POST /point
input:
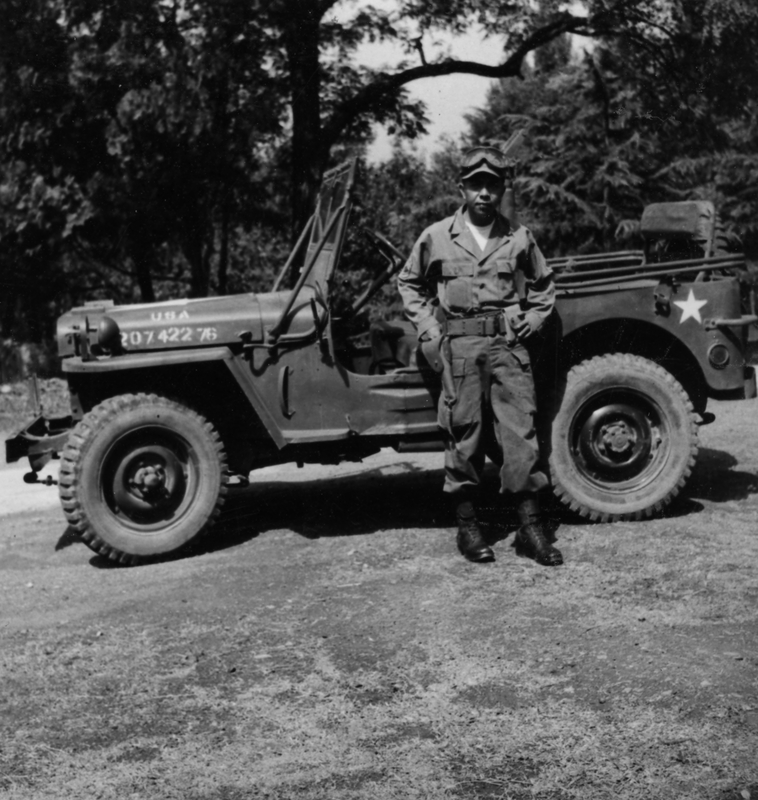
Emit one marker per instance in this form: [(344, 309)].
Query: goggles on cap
[(488, 158)]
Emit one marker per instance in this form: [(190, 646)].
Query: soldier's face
[(482, 194)]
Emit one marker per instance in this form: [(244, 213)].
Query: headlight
[(718, 356), (109, 335)]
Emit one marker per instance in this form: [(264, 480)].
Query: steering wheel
[(395, 259), (385, 247)]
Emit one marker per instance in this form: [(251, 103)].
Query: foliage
[(139, 140), (406, 196), (135, 143), (17, 405), (155, 148), (626, 124), (398, 198)]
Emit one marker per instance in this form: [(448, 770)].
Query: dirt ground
[(329, 642)]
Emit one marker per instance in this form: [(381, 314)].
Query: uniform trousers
[(494, 390)]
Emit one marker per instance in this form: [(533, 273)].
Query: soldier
[(477, 288)]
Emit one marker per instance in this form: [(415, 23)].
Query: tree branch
[(419, 46), (374, 95)]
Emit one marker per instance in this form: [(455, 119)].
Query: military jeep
[(171, 402)]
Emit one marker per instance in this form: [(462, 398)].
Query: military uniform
[(472, 295)]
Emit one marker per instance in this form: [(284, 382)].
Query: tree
[(699, 88), (188, 135), (398, 199), (331, 98), (135, 138), (140, 140), (632, 122)]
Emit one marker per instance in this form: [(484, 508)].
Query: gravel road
[(328, 643)]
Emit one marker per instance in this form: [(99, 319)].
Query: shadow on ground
[(715, 479), (371, 501), (411, 497), (341, 506)]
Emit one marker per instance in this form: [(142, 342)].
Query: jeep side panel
[(690, 313), (317, 399)]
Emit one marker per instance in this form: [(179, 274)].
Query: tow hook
[(33, 477)]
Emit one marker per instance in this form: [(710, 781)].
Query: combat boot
[(531, 537), (471, 542)]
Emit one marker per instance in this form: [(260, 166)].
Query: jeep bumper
[(41, 440)]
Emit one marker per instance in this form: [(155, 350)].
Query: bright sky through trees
[(448, 98)]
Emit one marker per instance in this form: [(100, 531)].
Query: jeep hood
[(170, 325)]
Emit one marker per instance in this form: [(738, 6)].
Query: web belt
[(487, 325)]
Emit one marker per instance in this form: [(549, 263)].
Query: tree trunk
[(223, 254), (141, 255), (308, 157), (198, 256)]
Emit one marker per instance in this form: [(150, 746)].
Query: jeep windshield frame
[(324, 233)]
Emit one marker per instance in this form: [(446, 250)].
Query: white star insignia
[(690, 307)]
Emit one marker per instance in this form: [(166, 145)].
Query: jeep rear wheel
[(142, 476), (624, 440)]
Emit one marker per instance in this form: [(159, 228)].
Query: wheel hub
[(616, 441), (149, 482), (617, 437), (150, 479)]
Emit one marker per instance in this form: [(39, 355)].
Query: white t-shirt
[(480, 234)]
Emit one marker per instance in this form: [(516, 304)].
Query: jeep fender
[(637, 306), (179, 358)]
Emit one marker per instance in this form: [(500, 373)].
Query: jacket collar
[(461, 234)]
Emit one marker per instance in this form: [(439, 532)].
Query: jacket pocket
[(521, 356), (505, 268), (458, 367), (456, 287)]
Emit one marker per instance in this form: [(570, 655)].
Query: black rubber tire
[(142, 476), (624, 440)]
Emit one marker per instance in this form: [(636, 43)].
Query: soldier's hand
[(520, 328), (431, 334)]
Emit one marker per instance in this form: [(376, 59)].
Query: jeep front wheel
[(142, 476), (624, 440)]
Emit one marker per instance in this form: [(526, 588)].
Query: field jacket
[(448, 271)]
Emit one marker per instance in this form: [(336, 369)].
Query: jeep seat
[(688, 218), (678, 230), (393, 346)]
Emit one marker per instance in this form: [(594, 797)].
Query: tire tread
[(70, 469), (628, 361)]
